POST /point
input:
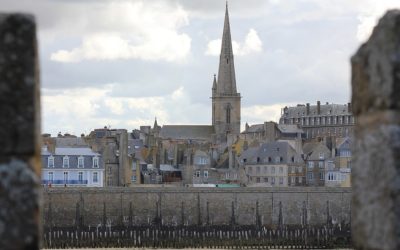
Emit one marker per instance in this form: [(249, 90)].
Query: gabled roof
[(187, 132)]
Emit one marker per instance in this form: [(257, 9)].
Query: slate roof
[(255, 128), (326, 109), (75, 151), (187, 132), (266, 150), (289, 128), (73, 154)]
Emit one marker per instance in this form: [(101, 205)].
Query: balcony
[(62, 182)]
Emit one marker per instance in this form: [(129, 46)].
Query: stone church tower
[(225, 98)]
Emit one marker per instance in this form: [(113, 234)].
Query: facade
[(270, 164), (113, 146), (338, 172), (73, 166), (321, 120), (317, 157)]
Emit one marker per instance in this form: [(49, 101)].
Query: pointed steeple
[(214, 87), (155, 123), (226, 71)]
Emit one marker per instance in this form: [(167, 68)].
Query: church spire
[(214, 87), (226, 71)]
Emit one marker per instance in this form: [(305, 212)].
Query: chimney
[(349, 109), (308, 109), (318, 107)]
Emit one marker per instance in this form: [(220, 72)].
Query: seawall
[(193, 206)]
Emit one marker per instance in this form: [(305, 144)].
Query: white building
[(72, 166)]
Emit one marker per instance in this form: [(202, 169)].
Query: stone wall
[(95, 206)]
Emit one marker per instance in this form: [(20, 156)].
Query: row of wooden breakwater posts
[(288, 237)]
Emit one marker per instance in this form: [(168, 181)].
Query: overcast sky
[(121, 63)]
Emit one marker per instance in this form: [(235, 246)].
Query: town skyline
[(84, 89)]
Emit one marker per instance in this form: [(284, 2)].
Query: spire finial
[(155, 122)]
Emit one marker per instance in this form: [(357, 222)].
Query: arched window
[(228, 115)]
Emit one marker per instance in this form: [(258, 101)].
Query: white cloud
[(370, 14), (261, 113), (130, 30), (252, 44), (81, 110)]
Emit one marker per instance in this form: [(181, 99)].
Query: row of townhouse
[(72, 166), (279, 164)]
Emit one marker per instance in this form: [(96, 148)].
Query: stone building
[(318, 157), (321, 120), (272, 164), (112, 144), (338, 172)]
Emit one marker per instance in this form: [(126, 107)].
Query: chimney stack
[(308, 109), (349, 107), (318, 107)]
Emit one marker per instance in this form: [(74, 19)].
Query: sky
[(121, 63)]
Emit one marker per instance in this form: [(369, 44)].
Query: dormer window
[(50, 162), (65, 162), (96, 162), (80, 162)]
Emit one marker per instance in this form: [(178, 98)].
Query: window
[(310, 164), (269, 159), (273, 170), (65, 162), (235, 176), (250, 170), (277, 159), (228, 115), (258, 179), (96, 177), (292, 158), (197, 174), (50, 162), (293, 180), (96, 162), (202, 160), (272, 180), (265, 179), (258, 170), (80, 162), (321, 164), (258, 159), (321, 176), (109, 181), (205, 174), (321, 155), (51, 177), (280, 180), (310, 176), (65, 177), (80, 177), (281, 170), (227, 176), (109, 170)]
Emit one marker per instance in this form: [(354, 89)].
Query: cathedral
[(215, 139)]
